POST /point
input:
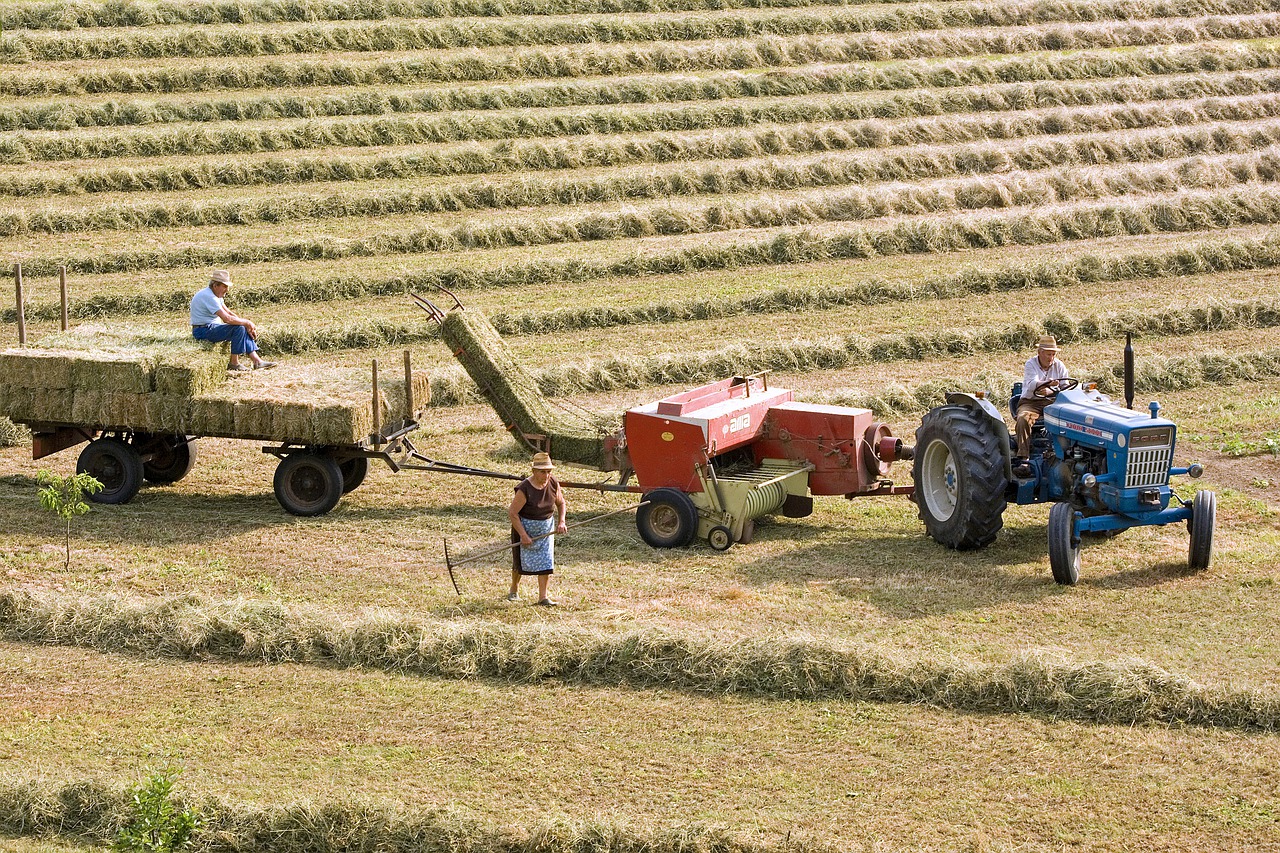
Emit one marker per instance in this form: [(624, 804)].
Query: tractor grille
[(1148, 467)]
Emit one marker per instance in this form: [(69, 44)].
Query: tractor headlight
[(1089, 481), (1195, 471)]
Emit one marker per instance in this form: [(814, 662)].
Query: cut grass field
[(879, 201)]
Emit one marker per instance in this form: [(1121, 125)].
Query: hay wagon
[(140, 402)]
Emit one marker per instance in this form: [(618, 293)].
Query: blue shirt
[(205, 307)]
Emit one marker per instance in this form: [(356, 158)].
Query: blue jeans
[(241, 343)]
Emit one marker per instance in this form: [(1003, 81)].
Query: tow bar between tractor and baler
[(452, 564)]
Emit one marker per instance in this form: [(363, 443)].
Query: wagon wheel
[(115, 465), (308, 483)]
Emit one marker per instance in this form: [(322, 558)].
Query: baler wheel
[(1064, 557), (668, 520), (720, 538), (116, 465), (1204, 508), (959, 477), (308, 483)]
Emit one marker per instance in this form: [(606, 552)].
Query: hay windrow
[(401, 35), (1120, 691), (95, 811)]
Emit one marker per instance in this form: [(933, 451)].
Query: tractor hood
[(1091, 417)]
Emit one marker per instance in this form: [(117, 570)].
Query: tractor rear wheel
[(308, 484), (115, 465), (668, 520), (960, 478), (1064, 557), (1204, 507), (172, 457)]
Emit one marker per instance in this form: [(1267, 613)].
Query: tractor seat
[(1013, 406)]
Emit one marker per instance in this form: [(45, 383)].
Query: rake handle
[(508, 547)]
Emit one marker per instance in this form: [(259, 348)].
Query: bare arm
[(562, 507), (513, 513)]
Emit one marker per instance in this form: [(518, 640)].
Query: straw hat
[(1048, 343), (220, 277), (542, 462)]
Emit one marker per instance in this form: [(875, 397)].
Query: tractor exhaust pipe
[(1128, 369)]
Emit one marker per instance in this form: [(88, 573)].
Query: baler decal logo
[(740, 423), (666, 436)]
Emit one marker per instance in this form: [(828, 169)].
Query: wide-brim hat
[(1048, 343), (542, 462), (220, 277)]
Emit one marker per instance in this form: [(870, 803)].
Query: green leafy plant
[(158, 826), (64, 496)]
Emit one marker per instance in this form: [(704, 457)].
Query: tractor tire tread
[(979, 513)]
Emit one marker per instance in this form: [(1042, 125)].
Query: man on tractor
[(1040, 380)]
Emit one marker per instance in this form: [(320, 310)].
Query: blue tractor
[(1104, 468)]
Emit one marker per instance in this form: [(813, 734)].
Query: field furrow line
[(1182, 213), (1230, 117), (84, 15), (1125, 692), (665, 217), (309, 38), (615, 61)]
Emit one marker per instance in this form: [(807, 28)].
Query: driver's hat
[(1048, 343)]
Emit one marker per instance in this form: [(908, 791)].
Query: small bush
[(155, 824)]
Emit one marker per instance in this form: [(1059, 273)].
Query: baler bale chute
[(709, 461)]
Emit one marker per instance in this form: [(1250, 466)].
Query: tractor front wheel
[(308, 484), (668, 520), (960, 479), (115, 465), (1064, 557), (1204, 508)]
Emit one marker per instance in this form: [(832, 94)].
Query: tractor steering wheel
[(1066, 383)]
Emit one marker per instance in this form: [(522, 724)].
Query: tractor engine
[(1108, 458)]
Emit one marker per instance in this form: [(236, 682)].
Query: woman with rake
[(537, 512)]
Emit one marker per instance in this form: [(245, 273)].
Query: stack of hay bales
[(164, 382), (514, 394)]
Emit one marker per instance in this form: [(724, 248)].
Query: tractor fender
[(1001, 429)]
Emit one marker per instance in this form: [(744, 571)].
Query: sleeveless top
[(539, 504)]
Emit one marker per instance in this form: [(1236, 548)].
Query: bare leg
[(542, 585), (515, 582)]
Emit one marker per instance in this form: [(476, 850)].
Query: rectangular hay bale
[(124, 373), (16, 403), (293, 422), (253, 419), (109, 409), (34, 368), (213, 416), (169, 413), (53, 405), (343, 424)]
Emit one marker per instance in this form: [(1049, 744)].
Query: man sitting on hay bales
[(211, 320)]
